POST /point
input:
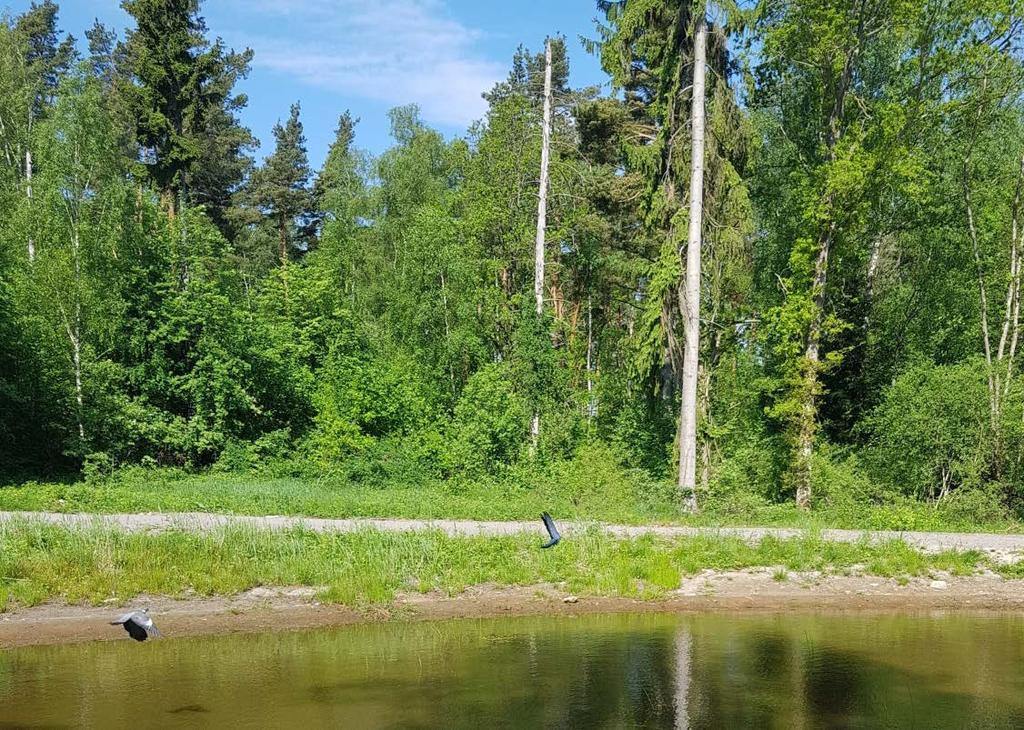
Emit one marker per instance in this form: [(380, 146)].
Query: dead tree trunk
[(542, 212), (28, 192), (691, 310)]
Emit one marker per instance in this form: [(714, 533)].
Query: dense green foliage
[(164, 302)]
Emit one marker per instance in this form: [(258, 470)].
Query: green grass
[(597, 494), (43, 562)]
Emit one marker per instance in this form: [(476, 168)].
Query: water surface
[(703, 671)]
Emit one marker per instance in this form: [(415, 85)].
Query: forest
[(779, 259)]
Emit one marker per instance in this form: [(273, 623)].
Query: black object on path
[(552, 531)]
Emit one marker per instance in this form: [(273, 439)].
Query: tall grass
[(570, 490), (42, 562)]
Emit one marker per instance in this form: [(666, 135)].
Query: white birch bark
[(28, 192), (691, 359), (542, 210)]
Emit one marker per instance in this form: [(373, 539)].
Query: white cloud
[(392, 51)]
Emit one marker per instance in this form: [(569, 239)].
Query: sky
[(368, 56)]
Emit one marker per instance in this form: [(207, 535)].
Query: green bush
[(931, 433), (97, 466), (246, 456), (362, 399), (969, 508), (840, 481), (490, 425), (752, 469)]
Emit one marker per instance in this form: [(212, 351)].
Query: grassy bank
[(576, 491), (39, 563)]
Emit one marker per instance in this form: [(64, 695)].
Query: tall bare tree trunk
[(691, 312), (28, 192), (542, 211)]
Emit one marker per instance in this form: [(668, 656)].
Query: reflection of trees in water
[(599, 671), (684, 644), (621, 679), (821, 671)]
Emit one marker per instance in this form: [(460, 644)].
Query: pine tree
[(47, 56), (102, 43), (280, 189), (528, 72)]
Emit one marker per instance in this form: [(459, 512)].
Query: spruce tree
[(179, 89), (339, 179)]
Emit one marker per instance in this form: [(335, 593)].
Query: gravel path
[(1003, 546)]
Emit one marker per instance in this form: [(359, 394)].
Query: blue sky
[(370, 55)]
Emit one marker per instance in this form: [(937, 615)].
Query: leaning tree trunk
[(542, 212), (691, 313)]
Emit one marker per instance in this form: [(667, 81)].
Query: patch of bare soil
[(277, 609)]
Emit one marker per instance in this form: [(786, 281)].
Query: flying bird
[(138, 624), (552, 531)]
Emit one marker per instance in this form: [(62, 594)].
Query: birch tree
[(33, 58), (79, 200)]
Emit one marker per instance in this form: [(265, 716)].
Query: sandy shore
[(275, 609)]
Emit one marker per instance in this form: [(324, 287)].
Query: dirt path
[(277, 609), (1001, 546)]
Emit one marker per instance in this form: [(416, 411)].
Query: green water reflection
[(762, 671)]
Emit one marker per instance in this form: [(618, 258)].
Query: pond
[(657, 671)]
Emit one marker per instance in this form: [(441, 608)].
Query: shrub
[(362, 399), (968, 508), (840, 480), (931, 433), (254, 455), (753, 468), (490, 423)]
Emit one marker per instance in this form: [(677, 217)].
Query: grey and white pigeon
[(138, 624)]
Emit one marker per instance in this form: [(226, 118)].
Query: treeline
[(166, 301)]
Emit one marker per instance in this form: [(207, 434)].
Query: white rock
[(939, 585), (570, 599)]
